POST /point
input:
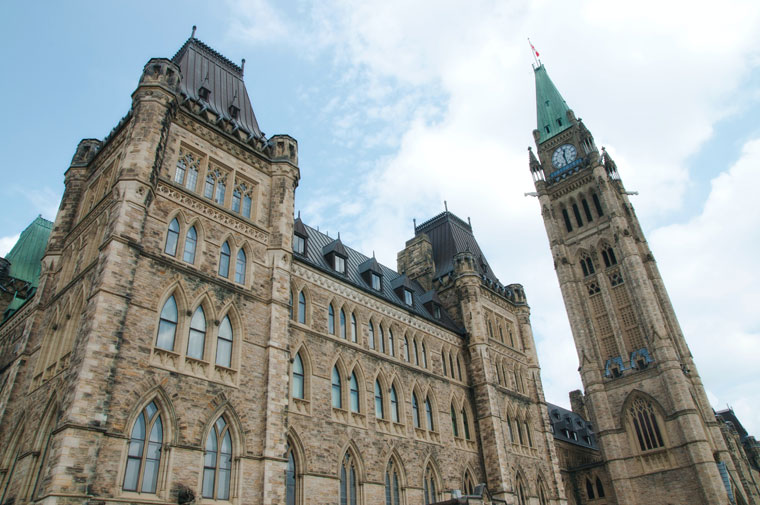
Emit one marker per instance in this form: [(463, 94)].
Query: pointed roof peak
[(551, 108)]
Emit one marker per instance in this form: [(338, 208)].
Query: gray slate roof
[(202, 66), (316, 242), (563, 419)]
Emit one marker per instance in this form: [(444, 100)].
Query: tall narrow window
[(290, 305), (429, 413), (375, 281), (240, 263), (379, 401), (167, 325), (599, 488), (217, 462), (454, 427), (408, 299), (645, 425), (192, 176), (301, 308), (443, 362), (566, 217), (236, 196), (221, 187), (459, 368), (196, 340), (521, 498), (353, 327), (394, 405), (247, 201), (382, 339), (331, 320), (143, 458), (586, 210), (208, 189), (172, 236), (590, 490), (179, 173), (342, 324), (337, 400), (416, 356), (348, 481), (290, 479), (431, 495), (299, 244), (391, 345), (466, 424), (542, 495), (191, 240), (577, 215), (451, 366), (371, 335), (297, 387), (354, 393), (405, 350), (224, 343), (392, 490), (415, 411), (527, 434), (224, 260), (597, 205), (424, 356), (511, 430)]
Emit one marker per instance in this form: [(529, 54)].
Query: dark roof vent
[(204, 93), (234, 111)]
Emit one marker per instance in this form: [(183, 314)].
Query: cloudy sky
[(400, 105)]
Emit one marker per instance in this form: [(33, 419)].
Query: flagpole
[(534, 53)]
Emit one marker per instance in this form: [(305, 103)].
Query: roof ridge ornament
[(192, 35)]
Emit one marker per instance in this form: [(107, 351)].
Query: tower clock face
[(564, 155)]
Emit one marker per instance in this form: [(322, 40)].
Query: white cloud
[(6, 244)]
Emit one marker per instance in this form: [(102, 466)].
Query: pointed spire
[(551, 108), (535, 166)]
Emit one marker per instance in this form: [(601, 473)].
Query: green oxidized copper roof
[(551, 109), (26, 255)]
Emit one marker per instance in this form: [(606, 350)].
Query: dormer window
[(408, 297), (437, 311), (204, 93), (339, 264), (375, 281), (234, 111), (299, 244)]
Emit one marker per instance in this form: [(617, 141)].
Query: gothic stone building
[(176, 336)]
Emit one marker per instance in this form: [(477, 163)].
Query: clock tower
[(657, 432)]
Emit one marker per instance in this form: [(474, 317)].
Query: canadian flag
[(534, 49)]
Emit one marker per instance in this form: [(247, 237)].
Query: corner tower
[(656, 429)]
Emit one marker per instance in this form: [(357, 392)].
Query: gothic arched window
[(645, 425), (379, 413), (196, 340), (172, 237), (382, 339), (290, 479), (371, 335), (330, 320), (354, 393), (224, 260), (342, 324), (217, 461), (353, 327), (301, 308), (520, 491), (392, 487), (424, 356), (429, 414), (466, 424), (454, 426), (590, 490), (394, 405), (405, 350), (297, 387), (415, 411), (224, 343), (191, 241), (348, 484), (599, 488), (391, 344), (429, 487), (337, 400), (240, 265), (144, 455), (167, 325)]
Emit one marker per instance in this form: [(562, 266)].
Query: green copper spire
[(26, 255), (551, 109)]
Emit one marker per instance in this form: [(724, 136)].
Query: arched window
[(599, 488), (443, 361), (424, 356), (590, 490), (382, 339), (337, 400), (454, 427), (371, 335), (511, 430), (342, 324), (348, 494), (520, 490), (451, 366), (354, 393), (415, 411), (290, 479), (196, 340), (405, 350), (172, 237), (224, 343), (466, 424), (330, 320), (429, 487), (301, 308), (577, 215), (459, 368), (519, 430), (247, 201), (217, 461), (167, 325), (391, 348), (566, 217), (468, 485), (297, 387), (392, 488), (416, 355), (144, 455), (224, 260), (429, 414), (586, 210), (379, 400), (527, 434), (597, 204), (191, 241), (240, 265), (645, 425), (394, 405), (541, 494)]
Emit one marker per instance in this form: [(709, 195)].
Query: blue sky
[(399, 105)]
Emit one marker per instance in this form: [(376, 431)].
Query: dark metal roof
[(201, 66), (729, 416), (449, 236), (563, 419), (317, 241), (336, 246)]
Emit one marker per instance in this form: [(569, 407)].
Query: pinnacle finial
[(192, 35), (242, 66), (446, 205)]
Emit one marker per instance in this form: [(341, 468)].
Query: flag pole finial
[(534, 52)]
